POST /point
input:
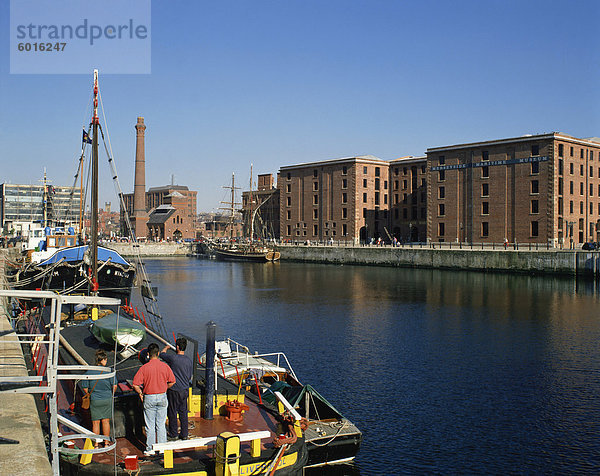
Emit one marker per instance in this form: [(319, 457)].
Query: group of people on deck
[(162, 385)]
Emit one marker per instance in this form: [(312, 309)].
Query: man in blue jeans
[(155, 378), (177, 395)]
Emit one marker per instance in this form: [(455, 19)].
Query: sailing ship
[(242, 251)]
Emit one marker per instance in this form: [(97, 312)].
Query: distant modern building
[(261, 207), (343, 199), (532, 189), (22, 204)]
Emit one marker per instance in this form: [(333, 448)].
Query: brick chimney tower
[(140, 215)]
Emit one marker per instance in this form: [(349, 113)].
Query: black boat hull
[(114, 280)]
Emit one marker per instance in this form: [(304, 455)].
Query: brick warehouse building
[(532, 189), (343, 199)]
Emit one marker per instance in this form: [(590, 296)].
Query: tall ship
[(246, 249), (244, 426)]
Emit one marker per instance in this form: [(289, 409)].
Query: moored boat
[(67, 270), (331, 438), (247, 252)]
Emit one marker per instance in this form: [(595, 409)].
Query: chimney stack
[(140, 216)]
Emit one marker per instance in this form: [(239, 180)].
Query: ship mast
[(94, 198), (232, 208), (45, 201), (250, 215)]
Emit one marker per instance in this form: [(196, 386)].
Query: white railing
[(247, 355)]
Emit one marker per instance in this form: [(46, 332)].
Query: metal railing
[(54, 371), (245, 354)]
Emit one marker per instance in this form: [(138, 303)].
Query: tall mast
[(94, 204), (45, 200), (250, 215), (232, 207)]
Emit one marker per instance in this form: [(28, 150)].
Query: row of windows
[(581, 188), (405, 184), (413, 198), (485, 229), (572, 169), (561, 152), (534, 189), (316, 215), (413, 213), (534, 208), (405, 170), (316, 231), (581, 207)]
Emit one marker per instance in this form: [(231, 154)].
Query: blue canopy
[(75, 253)]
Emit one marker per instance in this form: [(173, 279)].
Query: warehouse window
[(485, 190), (535, 167), (441, 209), (535, 206), (535, 187), (534, 228), (442, 192), (485, 208), (485, 229), (441, 229)]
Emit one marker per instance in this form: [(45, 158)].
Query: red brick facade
[(342, 199), (531, 189)]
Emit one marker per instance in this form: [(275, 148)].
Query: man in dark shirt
[(177, 395)]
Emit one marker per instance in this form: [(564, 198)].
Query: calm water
[(443, 372)]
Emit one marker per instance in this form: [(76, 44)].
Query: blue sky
[(277, 83)]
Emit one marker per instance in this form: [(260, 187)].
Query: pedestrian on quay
[(151, 383), (177, 395), (100, 392)]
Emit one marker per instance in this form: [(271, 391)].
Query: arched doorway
[(363, 234), (177, 235), (414, 234)]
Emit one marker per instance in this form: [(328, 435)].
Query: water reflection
[(443, 371)]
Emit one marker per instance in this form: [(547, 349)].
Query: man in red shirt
[(155, 377)]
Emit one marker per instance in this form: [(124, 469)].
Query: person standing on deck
[(177, 395), (101, 392), (155, 377)]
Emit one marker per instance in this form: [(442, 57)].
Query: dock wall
[(150, 249), (18, 413), (522, 261)]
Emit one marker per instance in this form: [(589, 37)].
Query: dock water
[(19, 418)]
